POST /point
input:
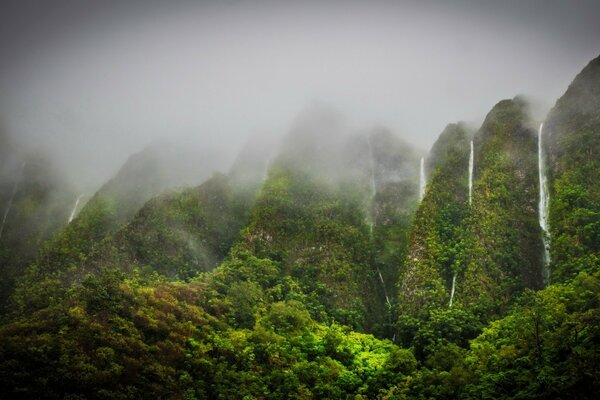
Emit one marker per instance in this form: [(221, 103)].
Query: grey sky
[(93, 81)]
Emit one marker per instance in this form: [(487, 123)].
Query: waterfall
[(75, 208), (267, 165), (471, 164), (10, 199), (387, 299), (422, 179), (543, 204), (372, 217), (453, 289)]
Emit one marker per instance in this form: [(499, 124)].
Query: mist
[(87, 84)]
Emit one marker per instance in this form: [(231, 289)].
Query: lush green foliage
[(39, 206), (573, 131), (503, 249), (117, 337), (435, 247), (317, 237), (547, 347), (221, 292)]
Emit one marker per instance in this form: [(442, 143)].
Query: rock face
[(573, 148), (504, 250)]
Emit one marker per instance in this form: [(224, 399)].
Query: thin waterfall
[(422, 179), (75, 208), (372, 218), (267, 165), (11, 198), (471, 164), (453, 289), (387, 299), (543, 205)]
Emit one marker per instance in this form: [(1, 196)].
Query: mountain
[(321, 269), (433, 253), (572, 134), (480, 255), (36, 203), (178, 234), (503, 253)]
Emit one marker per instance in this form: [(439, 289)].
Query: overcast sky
[(93, 81)]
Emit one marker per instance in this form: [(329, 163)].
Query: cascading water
[(75, 208), (372, 219), (453, 289), (10, 199), (543, 205), (471, 164), (422, 179)]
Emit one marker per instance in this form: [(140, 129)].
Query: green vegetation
[(573, 130), (317, 237), (40, 205), (436, 245), (177, 235), (268, 287), (503, 249)]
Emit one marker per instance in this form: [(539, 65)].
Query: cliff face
[(487, 252), (426, 278), (573, 149), (503, 253)]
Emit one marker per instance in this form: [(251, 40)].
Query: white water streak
[(453, 289), (11, 198), (471, 166), (75, 208), (543, 205)]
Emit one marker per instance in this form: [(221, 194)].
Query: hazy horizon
[(90, 83)]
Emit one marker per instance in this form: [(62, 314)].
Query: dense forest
[(352, 267)]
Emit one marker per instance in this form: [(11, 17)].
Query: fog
[(88, 83)]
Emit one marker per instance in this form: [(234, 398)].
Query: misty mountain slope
[(316, 235), (483, 255), (572, 130), (325, 189), (144, 175), (154, 170), (181, 234), (394, 201), (176, 235), (286, 312), (503, 248), (35, 204), (435, 239), (250, 167)]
